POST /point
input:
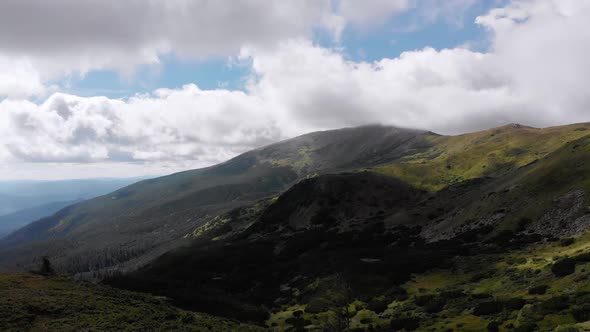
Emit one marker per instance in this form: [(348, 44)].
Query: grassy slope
[(492, 152), (502, 278), (36, 303), (478, 279), (526, 193)]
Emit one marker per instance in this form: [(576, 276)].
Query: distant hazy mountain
[(18, 219), (22, 202), (13, 203), (19, 195)]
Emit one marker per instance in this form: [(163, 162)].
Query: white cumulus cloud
[(55, 39), (535, 72)]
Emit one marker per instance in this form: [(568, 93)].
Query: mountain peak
[(512, 126)]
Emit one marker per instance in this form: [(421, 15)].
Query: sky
[(111, 88)]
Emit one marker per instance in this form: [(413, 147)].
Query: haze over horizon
[(146, 88)]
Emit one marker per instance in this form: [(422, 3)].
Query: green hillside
[(546, 196), (519, 290), (492, 152), (36, 303)]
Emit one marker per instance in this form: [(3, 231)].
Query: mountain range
[(20, 218), (368, 228), (22, 202)]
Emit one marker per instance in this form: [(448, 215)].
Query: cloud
[(369, 11), (368, 14), (62, 38), (452, 11), (449, 91), (536, 73), (145, 28), (543, 48), (171, 125), (19, 79), (67, 37), (52, 40)]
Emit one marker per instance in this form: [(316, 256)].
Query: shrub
[(493, 326), (423, 300), (564, 267), (479, 276), (409, 324), (527, 327), (366, 321), (585, 257), (557, 303), (452, 294), (377, 305), (297, 323), (46, 268), (538, 290), (567, 242), (567, 329), (515, 303), (435, 305), (487, 308), (319, 304), (187, 317), (480, 296), (396, 293), (581, 314)]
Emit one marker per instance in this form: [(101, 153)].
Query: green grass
[(528, 193), (512, 277), (492, 152), (300, 161), (504, 277), (428, 283), (36, 303)]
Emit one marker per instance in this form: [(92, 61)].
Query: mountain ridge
[(21, 218), (338, 230), (197, 195), (179, 202), (338, 242)]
